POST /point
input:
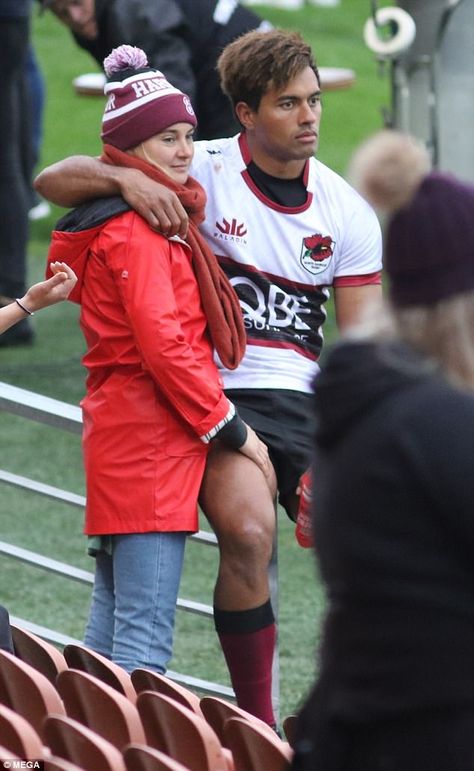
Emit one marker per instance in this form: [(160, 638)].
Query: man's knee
[(247, 536), (238, 502)]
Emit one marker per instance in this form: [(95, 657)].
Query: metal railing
[(67, 417), (60, 415)]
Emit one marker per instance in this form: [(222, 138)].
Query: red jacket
[(153, 390)]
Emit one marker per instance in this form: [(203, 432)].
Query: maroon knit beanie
[(429, 248), (141, 102)]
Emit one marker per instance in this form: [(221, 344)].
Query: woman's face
[(171, 150)]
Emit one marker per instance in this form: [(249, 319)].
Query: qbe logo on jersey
[(316, 253), (276, 311)]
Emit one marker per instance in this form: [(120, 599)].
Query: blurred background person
[(394, 492), (15, 160), (182, 38), (6, 640), (39, 208), (292, 5)]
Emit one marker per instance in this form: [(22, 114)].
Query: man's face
[(78, 15), (285, 128)]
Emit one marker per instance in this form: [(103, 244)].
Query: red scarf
[(220, 302)]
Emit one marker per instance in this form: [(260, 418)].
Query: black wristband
[(234, 433), (23, 308)]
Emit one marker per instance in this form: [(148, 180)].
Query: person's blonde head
[(428, 252)]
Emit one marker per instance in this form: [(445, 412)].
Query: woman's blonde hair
[(444, 332)]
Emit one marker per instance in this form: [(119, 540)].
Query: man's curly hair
[(260, 60)]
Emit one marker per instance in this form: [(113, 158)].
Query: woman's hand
[(54, 290)]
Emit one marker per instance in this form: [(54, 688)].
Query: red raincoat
[(153, 390)]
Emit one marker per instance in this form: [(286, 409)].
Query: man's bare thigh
[(235, 488)]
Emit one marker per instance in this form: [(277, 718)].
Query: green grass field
[(52, 367)]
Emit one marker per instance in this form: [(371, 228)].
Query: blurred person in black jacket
[(15, 164), (182, 38), (394, 492), (6, 641)]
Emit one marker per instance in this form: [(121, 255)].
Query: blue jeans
[(131, 619)]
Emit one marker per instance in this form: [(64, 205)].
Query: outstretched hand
[(51, 291), (257, 451), (38, 296)]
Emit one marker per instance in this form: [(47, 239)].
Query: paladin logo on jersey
[(316, 253), (231, 231)]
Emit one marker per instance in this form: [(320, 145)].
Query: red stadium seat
[(254, 748), (87, 660), (27, 691), (78, 744), (146, 680), (42, 655), (100, 707), (217, 711), (181, 734), (18, 736), (138, 757)]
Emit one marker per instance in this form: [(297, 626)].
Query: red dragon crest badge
[(316, 252)]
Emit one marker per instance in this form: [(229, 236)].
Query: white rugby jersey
[(282, 261)]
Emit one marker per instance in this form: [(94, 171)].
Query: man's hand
[(80, 178), (158, 205)]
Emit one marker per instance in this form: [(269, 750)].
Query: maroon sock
[(248, 638)]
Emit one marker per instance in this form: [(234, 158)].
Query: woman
[(394, 493), (151, 311)]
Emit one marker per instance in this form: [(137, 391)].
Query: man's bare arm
[(81, 178), (350, 302)]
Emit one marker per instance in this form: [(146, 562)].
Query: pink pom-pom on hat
[(141, 101), (125, 58)]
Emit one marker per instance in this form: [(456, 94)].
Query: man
[(182, 38), (285, 229)]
